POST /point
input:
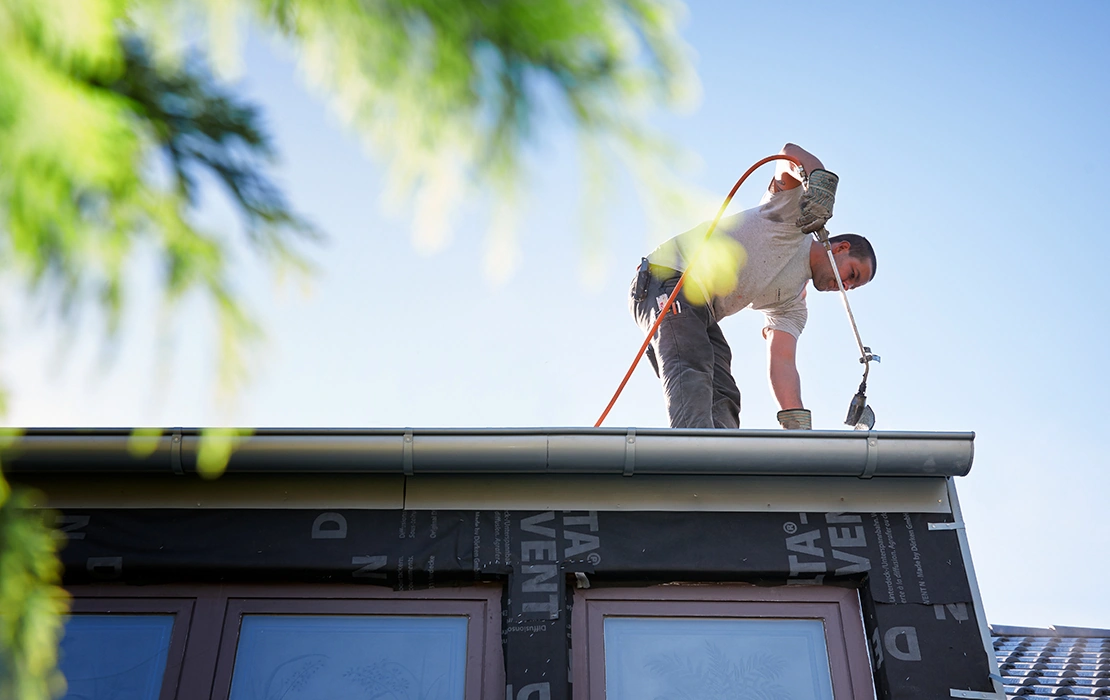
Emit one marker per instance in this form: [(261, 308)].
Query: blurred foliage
[(32, 602), (452, 92), (100, 151), (432, 78), (110, 120), (713, 269), (215, 447)]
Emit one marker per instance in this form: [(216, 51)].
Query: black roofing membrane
[(918, 613)]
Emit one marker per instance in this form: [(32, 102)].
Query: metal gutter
[(508, 450)]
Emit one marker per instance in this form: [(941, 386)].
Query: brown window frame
[(837, 608), (203, 645), (180, 608)]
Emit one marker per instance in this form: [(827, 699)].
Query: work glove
[(817, 201), (795, 419)]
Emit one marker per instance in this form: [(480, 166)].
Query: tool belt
[(645, 272)]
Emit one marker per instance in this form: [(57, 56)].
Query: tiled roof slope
[(1066, 662)]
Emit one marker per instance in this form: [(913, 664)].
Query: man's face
[(854, 272)]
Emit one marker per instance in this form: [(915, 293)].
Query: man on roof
[(761, 258)]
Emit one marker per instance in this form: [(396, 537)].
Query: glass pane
[(706, 658), (122, 657), (304, 656)]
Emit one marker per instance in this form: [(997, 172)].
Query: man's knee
[(726, 413), (689, 397)]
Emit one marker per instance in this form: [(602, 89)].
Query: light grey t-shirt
[(773, 278)]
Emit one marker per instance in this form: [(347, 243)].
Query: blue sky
[(970, 139)]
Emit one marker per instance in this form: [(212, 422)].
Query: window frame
[(204, 644), (837, 608), (480, 611), (180, 607)]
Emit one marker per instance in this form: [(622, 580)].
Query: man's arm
[(786, 173), (782, 369)]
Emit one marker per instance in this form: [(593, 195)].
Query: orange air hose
[(682, 279)]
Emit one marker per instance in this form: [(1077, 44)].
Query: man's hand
[(795, 419), (817, 201)]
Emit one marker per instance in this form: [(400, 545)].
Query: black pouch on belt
[(643, 276)]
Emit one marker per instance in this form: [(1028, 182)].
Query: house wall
[(541, 537)]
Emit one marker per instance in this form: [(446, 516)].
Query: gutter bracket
[(175, 452), (406, 453), (872, 455), (630, 452), (946, 526), (975, 694)]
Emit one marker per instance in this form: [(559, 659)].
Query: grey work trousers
[(689, 354)]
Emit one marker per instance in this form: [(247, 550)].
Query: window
[(802, 642), (240, 642), (402, 648), (124, 649)]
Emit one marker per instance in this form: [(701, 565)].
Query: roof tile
[(1053, 662)]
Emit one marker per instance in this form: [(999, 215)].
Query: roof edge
[(1053, 631), (412, 451)]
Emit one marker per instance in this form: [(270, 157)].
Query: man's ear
[(841, 247)]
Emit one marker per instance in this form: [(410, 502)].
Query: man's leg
[(683, 355), (726, 395)]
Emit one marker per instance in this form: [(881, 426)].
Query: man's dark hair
[(861, 249)]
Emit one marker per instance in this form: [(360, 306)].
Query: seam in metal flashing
[(872, 455), (976, 695), (946, 526), (630, 452), (406, 453), (547, 454), (175, 452)]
